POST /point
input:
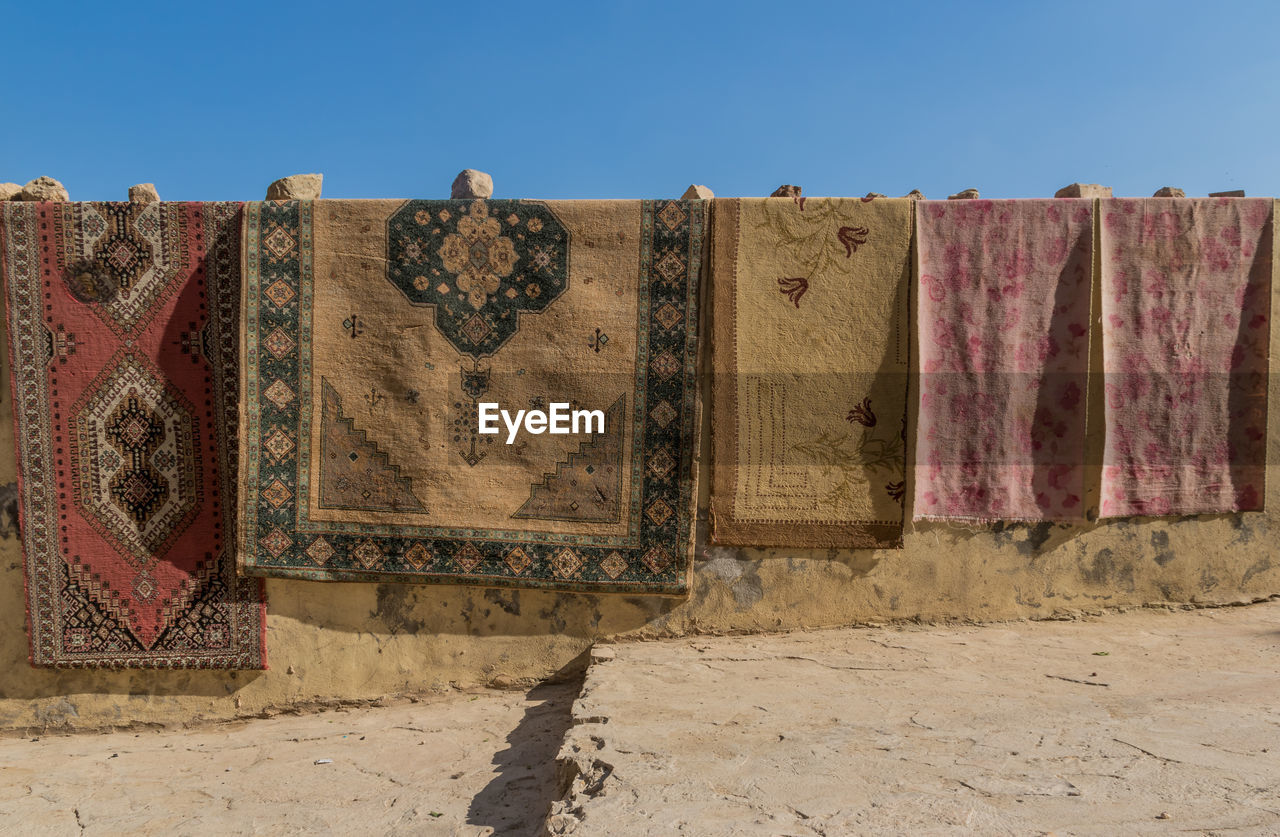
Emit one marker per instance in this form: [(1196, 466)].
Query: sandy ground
[(1137, 723), (464, 764), (1147, 722)]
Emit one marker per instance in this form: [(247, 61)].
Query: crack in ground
[(1147, 752)]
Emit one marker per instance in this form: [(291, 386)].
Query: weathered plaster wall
[(334, 642)]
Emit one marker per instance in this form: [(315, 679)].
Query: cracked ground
[(1146, 722)]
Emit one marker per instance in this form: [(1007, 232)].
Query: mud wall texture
[(330, 643)]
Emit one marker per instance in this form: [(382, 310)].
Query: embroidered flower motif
[(936, 289), (862, 414), (1018, 263), (478, 254), (793, 289), (852, 238)]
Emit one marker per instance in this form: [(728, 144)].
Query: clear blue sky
[(601, 99)]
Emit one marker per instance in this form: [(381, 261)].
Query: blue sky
[(212, 101)]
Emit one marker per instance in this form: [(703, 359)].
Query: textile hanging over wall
[(810, 362), (1186, 295), (1004, 349), (375, 330), (122, 340)]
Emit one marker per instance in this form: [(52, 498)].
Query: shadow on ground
[(530, 759)]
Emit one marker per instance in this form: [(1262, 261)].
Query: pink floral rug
[(1004, 352), (1186, 289)]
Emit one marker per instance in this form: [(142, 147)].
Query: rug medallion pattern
[(375, 329), (122, 339)]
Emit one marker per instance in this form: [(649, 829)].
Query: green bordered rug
[(376, 331)]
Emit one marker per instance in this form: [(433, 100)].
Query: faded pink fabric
[(1004, 354), (1186, 294)]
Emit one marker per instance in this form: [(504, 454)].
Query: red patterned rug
[(122, 326)]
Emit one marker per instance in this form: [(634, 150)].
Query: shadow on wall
[(1046, 536), (426, 611), (732, 592), (1109, 560), (383, 609), (727, 577), (18, 679), (395, 608)]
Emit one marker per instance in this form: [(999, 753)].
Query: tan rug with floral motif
[(810, 362)]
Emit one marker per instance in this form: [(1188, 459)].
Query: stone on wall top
[(1083, 190), (471, 183), (43, 189), (143, 193), (296, 187)]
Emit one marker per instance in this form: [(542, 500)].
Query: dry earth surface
[(1144, 722), (462, 764), (1147, 722)]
